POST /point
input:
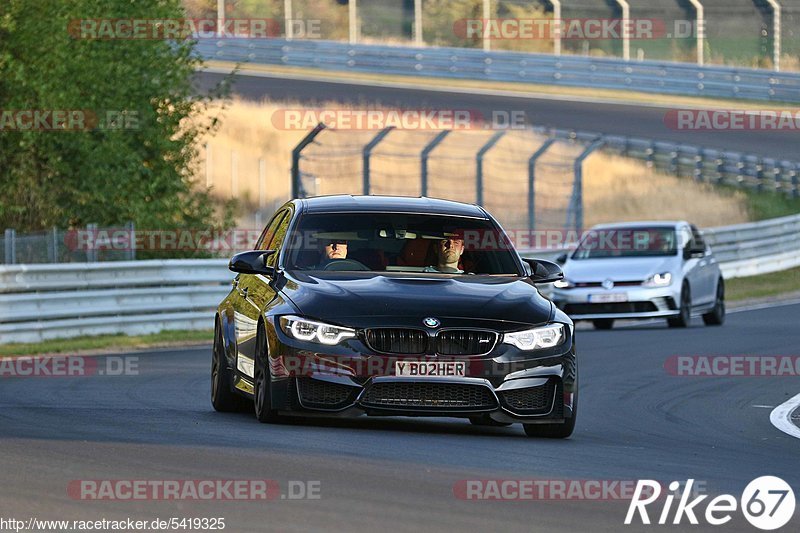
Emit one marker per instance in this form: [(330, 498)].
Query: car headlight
[(536, 338), (312, 331), (563, 284), (658, 280)]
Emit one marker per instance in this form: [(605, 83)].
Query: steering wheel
[(345, 265)]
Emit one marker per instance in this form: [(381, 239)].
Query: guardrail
[(39, 302), (661, 77)]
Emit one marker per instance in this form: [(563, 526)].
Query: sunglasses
[(337, 243)]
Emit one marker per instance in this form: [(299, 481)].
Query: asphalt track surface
[(619, 119), (397, 474)]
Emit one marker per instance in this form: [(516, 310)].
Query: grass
[(107, 342), (763, 286), (766, 205)]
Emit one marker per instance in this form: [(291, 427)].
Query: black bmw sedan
[(390, 306)]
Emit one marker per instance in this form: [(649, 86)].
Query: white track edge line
[(781, 417)]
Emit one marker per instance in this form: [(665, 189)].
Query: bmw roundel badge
[(431, 322)]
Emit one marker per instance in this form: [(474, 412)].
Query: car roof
[(643, 224), (345, 203)]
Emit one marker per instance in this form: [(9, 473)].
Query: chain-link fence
[(527, 181)]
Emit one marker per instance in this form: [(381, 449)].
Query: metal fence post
[(131, 241), (701, 31), (220, 18), (487, 13), (577, 187), (91, 252), (557, 28), (418, 38), (53, 251), (532, 182), (10, 246), (352, 15), (368, 153), (626, 34), (297, 188), (426, 152), (479, 165), (777, 34), (287, 19)]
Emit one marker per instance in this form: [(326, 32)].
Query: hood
[(361, 299), (617, 269)]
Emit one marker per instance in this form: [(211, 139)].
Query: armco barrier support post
[(479, 165), (10, 246), (368, 152), (297, 189), (577, 187), (532, 182), (426, 152)]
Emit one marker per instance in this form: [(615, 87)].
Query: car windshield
[(627, 242), (399, 242)]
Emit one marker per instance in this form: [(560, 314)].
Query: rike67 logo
[(767, 502)]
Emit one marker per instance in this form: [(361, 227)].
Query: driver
[(448, 254), (332, 250)]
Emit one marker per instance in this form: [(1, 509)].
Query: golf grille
[(429, 395)]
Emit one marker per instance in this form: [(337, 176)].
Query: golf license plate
[(617, 297), (430, 368)]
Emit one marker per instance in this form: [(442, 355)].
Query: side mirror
[(544, 271), (690, 253), (252, 262), (561, 259)]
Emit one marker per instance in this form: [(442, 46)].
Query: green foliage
[(104, 175)]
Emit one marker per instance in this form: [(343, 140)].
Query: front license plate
[(430, 369), (616, 297)]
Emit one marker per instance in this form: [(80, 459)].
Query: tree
[(101, 174)]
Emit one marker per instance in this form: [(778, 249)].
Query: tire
[(716, 317), (262, 393), (486, 421), (554, 431), (223, 398), (685, 317), (603, 323)]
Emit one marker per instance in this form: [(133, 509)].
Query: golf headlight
[(658, 280), (563, 284), (312, 331), (536, 338)]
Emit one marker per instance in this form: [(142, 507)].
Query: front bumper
[(499, 385), (640, 302)]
